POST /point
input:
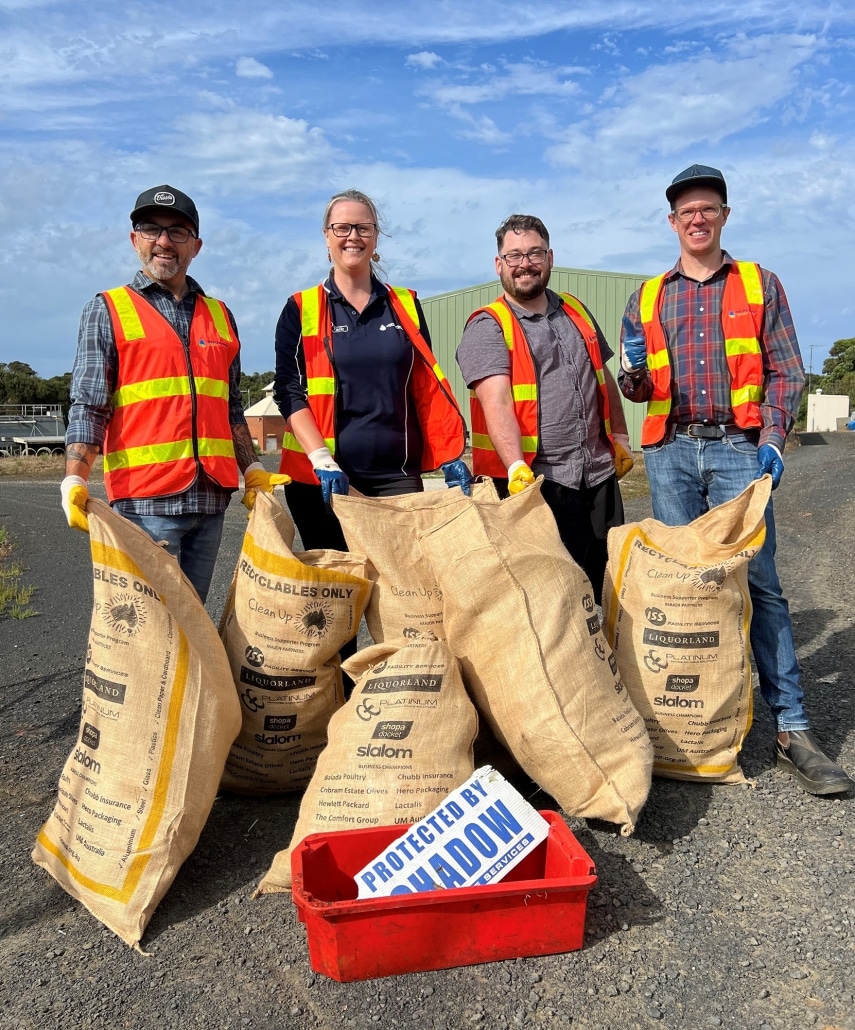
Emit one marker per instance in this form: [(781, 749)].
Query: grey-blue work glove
[(457, 474), (634, 348), (770, 462), (330, 476)]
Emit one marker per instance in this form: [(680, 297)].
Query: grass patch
[(15, 596)]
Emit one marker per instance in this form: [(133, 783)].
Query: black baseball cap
[(166, 198), (697, 176)]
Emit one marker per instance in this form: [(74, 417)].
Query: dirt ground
[(729, 907)]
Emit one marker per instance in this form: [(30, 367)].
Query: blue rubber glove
[(770, 463), (634, 348), (332, 482), (457, 474), (330, 476)]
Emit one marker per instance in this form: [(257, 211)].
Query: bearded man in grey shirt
[(543, 402)]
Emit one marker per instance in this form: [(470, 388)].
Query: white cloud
[(425, 60), (249, 68)]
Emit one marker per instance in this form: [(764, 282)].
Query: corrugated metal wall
[(605, 293)]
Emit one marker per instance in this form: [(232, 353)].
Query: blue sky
[(452, 115)]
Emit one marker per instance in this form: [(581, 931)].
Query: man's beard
[(528, 291)]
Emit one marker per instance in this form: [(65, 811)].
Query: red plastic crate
[(538, 909)]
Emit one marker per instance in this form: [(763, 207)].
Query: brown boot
[(812, 770)]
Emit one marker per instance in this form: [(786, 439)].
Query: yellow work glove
[(623, 454), (74, 498), (519, 477), (255, 478)]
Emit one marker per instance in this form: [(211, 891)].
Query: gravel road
[(730, 906)]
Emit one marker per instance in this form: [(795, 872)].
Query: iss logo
[(655, 617), (126, 614), (588, 603), (254, 656)]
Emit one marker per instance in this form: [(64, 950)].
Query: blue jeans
[(688, 477), (193, 539)]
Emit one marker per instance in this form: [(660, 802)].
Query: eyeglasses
[(344, 229), (709, 213), (515, 259), (176, 233)]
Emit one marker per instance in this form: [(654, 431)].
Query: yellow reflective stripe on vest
[(131, 324), (406, 299), (741, 345), (151, 454), (751, 281), (746, 395), (438, 372), (289, 443), (170, 386), (151, 389), (505, 318), (578, 307), (525, 392), (649, 293), (219, 317), (481, 441), (207, 387), (317, 386), (310, 313), (659, 407), (657, 360)]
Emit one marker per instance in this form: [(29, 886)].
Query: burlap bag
[(520, 616), (406, 598), (677, 614), (285, 619), (159, 714), (399, 745)]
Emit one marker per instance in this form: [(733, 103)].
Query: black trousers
[(584, 518)]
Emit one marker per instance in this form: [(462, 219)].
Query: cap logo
[(164, 198)]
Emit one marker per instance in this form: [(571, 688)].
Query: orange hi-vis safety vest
[(742, 324), (485, 460), (171, 405), (442, 425)]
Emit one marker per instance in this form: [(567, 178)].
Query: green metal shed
[(604, 293)]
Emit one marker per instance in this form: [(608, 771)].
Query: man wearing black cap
[(710, 346), (155, 388)]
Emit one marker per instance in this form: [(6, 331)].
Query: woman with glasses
[(366, 402)]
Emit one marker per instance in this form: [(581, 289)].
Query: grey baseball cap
[(166, 198), (696, 176)]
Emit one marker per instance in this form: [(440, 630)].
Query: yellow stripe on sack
[(219, 317), (121, 894), (104, 554), (128, 317), (160, 796), (293, 568), (150, 389), (320, 386), (701, 770)]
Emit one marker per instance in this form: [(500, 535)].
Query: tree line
[(21, 384)]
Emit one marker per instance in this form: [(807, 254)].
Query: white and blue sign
[(476, 836)]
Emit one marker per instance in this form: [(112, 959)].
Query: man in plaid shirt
[(161, 469), (719, 410)]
